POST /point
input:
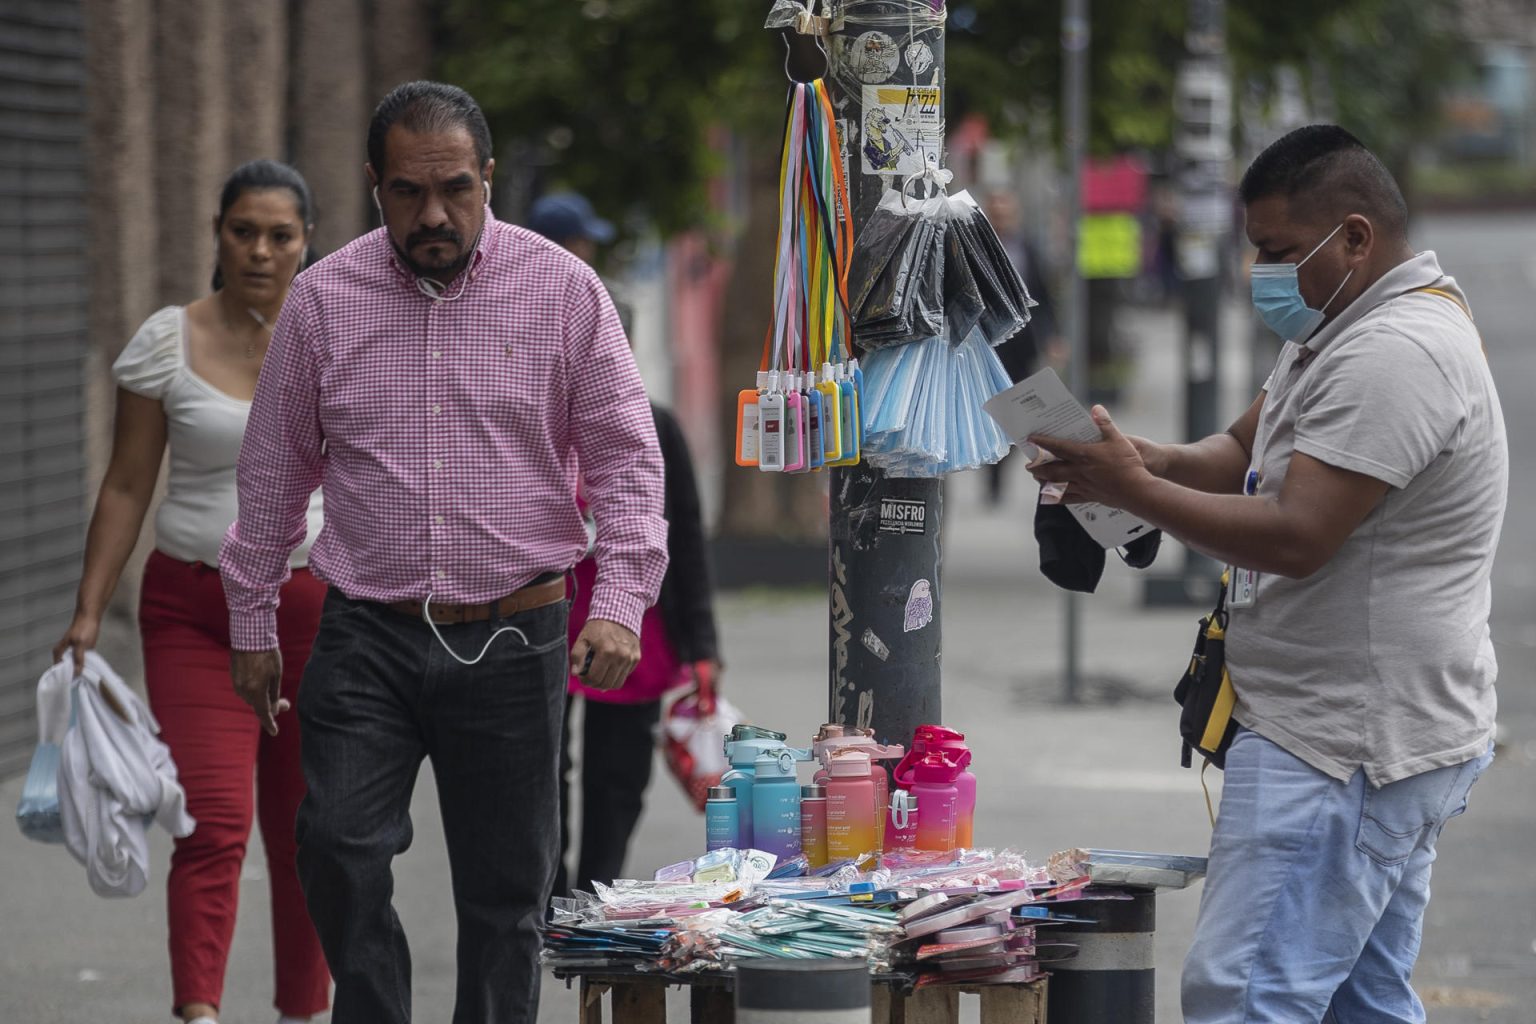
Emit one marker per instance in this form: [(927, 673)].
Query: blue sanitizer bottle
[(720, 818), (776, 805)]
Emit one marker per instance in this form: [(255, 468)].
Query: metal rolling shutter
[(43, 329)]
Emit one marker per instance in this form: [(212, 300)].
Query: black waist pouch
[(1205, 694)]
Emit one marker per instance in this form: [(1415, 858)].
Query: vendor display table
[(641, 998)]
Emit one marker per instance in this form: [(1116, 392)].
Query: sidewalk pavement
[(1103, 772)]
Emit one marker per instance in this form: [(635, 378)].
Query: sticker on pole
[(903, 516), (903, 129), (875, 645), (872, 58), (919, 57), (919, 607)]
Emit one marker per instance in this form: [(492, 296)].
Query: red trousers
[(227, 764)]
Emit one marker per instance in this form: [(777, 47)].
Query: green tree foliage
[(618, 96), (1004, 62)]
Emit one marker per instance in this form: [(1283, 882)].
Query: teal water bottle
[(721, 818), (776, 804)]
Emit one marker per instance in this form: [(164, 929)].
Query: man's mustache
[(433, 235)]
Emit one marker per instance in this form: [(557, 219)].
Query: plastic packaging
[(37, 814), (691, 736)]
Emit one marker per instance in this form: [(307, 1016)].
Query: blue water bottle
[(720, 818), (776, 804)]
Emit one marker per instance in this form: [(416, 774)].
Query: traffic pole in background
[(886, 549), (1203, 157), (1075, 40)]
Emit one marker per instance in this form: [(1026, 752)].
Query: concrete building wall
[(179, 92)]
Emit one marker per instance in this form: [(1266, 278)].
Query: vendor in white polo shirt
[(1358, 503)]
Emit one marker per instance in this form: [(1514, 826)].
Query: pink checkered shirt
[(447, 435)]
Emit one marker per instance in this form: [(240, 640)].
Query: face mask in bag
[(1277, 297)]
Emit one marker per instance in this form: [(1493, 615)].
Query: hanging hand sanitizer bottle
[(831, 415), (770, 406), (811, 399), (858, 395), (850, 417), (794, 427), (748, 424)]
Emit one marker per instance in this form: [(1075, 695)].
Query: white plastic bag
[(38, 812), (692, 738)]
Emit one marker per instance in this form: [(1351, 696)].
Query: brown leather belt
[(535, 595)]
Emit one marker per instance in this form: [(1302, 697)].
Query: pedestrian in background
[(1358, 503), (678, 643), (1021, 355), (444, 376), (186, 380)]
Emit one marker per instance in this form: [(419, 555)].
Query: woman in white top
[(186, 380)]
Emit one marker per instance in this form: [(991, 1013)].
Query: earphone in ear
[(487, 192), (376, 199)]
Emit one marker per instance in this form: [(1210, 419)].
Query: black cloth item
[(687, 595), (1073, 560)]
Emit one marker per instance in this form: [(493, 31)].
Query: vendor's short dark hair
[(1325, 169), (429, 108)]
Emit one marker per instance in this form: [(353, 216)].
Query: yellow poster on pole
[(1109, 245)]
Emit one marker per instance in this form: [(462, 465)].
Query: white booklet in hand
[(1042, 405)]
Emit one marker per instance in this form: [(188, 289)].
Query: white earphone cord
[(427, 618)]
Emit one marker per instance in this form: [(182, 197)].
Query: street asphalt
[(1101, 771)]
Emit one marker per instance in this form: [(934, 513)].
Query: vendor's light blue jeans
[(1314, 901)]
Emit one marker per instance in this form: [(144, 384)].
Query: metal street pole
[(886, 551), (1203, 155), (1075, 40)]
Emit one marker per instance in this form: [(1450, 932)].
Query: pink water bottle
[(938, 800), (850, 806), (834, 738), (901, 829), (928, 738)]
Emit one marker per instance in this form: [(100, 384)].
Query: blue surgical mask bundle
[(933, 293)]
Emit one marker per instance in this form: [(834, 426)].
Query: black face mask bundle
[(1073, 560), (896, 277), (925, 266)]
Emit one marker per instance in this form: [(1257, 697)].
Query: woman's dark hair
[(257, 176)]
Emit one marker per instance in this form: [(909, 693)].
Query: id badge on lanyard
[(1244, 589)]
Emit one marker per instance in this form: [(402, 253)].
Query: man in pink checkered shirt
[(445, 378)]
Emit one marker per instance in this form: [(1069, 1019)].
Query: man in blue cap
[(568, 220)]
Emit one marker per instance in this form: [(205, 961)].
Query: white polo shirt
[(1382, 659)]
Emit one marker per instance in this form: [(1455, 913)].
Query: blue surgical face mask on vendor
[(1277, 297)]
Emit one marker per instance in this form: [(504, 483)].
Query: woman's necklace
[(250, 346)]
